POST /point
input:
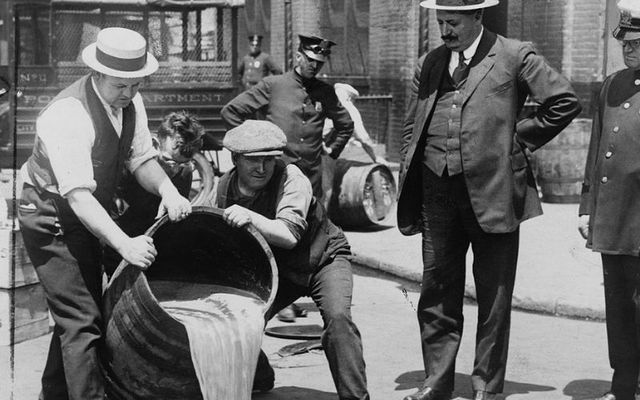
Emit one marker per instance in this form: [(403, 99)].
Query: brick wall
[(569, 34), (393, 51)]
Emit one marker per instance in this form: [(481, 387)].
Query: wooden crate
[(13, 257), (23, 310)]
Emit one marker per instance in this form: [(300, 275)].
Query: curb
[(555, 307)]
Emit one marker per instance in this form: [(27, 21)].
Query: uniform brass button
[(454, 106), (616, 129), (636, 82), (608, 154), (626, 105), (301, 139), (604, 179)]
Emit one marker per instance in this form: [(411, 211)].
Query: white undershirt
[(66, 130)]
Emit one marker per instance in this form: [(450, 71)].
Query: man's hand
[(138, 251), (583, 225), (237, 216), (175, 205)]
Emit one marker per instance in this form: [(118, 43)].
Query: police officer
[(610, 205), (298, 103), (257, 64), (85, 137)]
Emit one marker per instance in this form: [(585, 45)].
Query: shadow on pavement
[(414, 380), (583, 389), (294, 393)]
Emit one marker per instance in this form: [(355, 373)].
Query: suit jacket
[(612, 203), (499, 179)]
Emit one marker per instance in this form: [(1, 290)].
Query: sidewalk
[(556, 274)]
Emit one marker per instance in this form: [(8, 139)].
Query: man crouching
[(310, 251)]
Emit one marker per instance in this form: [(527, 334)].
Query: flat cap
[(255, 138)]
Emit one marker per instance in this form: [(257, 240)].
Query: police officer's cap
[(629, 26), (315, 47), (255, 38), (255, 138)]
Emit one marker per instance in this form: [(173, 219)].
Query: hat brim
[(318, 57), (89, 58), (621, 33), (432, 4), (263, 153)]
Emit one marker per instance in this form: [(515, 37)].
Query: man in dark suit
[(609, 208), (465, 179)]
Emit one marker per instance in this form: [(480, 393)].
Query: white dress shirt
[(468, 53), (66, 130)]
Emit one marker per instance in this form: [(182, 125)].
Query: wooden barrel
[(363, 194), (560, 163), (146, 352)]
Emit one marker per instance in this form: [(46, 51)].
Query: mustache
[(449, 37)]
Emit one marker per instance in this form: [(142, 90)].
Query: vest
[(442, 146), (108, 154), (321, 241)]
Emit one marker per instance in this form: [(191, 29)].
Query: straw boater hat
[(629, 26), (458, 5), (121, 53), (255, 138)]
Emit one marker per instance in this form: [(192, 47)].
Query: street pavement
[(556, 274), (551, 358)]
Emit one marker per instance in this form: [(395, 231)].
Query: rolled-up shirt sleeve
[(68, 143), (294, 198), (142, 148)]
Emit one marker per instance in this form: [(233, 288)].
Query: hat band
[(458, 3), (121, 64), (631, 24)]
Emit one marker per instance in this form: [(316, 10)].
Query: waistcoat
[(442, 146), (315, 246), (108, 153)]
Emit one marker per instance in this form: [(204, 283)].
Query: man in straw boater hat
[(610, 205), (85, 137), (311, 252), (465, 180)]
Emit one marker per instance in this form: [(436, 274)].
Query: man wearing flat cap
[(298, 103), (610, 205), (85, 137), (257, 64), (311, 252), (465, 179)]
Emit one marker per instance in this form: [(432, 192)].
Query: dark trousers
[(622, 300), (331, 289), (68, 266), (449, 226)]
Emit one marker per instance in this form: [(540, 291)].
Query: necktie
[(460, 73)]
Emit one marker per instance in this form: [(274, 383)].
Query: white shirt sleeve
[(141, 147), (68, 135)]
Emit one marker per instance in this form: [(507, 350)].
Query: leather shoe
[(426, 393), (607, 396), (482, 395)]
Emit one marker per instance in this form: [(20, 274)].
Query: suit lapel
[(427, 94), (481, 64)]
